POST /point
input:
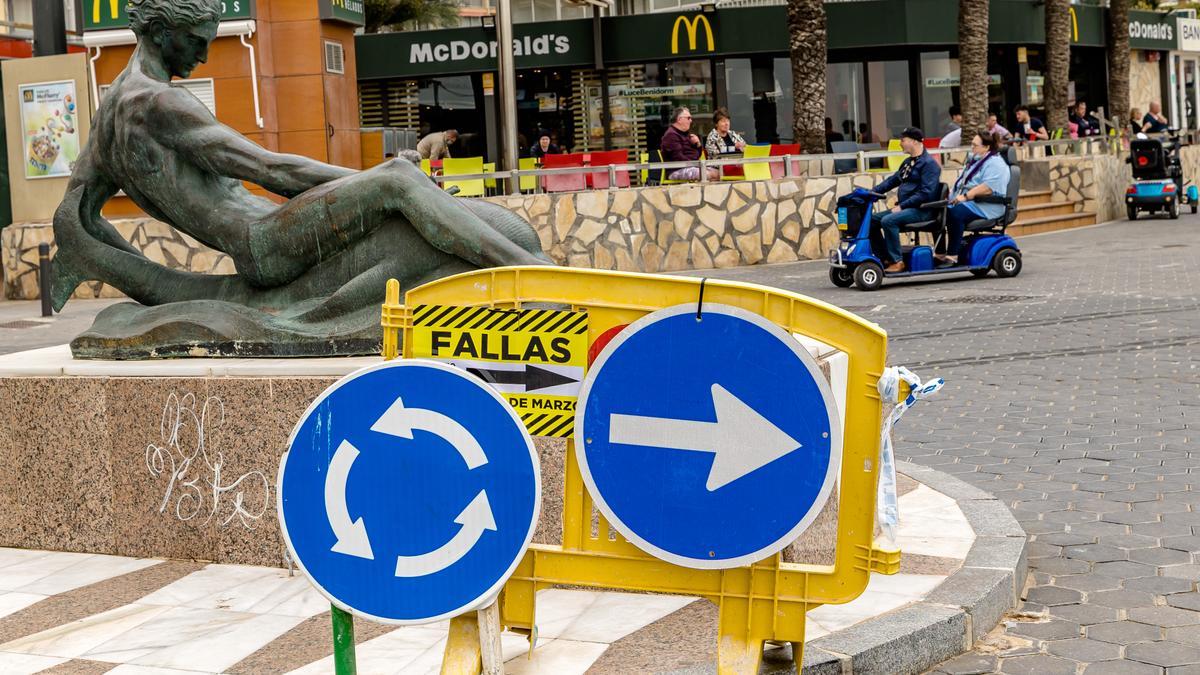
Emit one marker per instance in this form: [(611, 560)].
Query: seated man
[(1029, 128), (1088, 125), (985, 174), (1155, 122), (680, 145), (918, 178)]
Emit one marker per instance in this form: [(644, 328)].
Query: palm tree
[(395, 13), (807, 43), (972, 65), (1058, 62), (1118, 63)]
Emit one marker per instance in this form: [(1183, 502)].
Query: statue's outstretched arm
[(187, 126)]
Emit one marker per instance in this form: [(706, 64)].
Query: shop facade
[(883, 75)]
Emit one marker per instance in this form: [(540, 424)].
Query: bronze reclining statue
[(311, 271)]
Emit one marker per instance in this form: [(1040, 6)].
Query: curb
[(962, 609)]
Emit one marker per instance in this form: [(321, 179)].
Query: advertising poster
[(50, 128)]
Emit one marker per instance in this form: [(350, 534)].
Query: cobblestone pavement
[(1073, 393)]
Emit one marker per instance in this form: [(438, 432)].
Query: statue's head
[(180, 29)]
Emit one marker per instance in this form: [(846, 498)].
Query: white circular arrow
[(352, 536)]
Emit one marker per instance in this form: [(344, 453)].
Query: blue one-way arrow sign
[(710, 442)]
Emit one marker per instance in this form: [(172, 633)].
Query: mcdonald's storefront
[(892, 64)]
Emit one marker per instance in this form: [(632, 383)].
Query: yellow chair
[(663, 180), (461, 166), (757, 170), (426, 167), (490, 183), (894, 161), (528, 183), (644, 174)]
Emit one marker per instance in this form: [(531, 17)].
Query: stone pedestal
[(178, 459)]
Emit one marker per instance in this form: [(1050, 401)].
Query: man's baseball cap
[(913, 133)]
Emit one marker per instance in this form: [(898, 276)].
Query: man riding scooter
[(919, 180)]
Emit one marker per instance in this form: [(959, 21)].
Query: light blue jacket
[(994, 173)]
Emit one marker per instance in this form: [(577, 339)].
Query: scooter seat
[(922, 226), (985, 224)]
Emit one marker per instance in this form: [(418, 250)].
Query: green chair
[(662, 173), (462, 166), (528, 183), (757, 170)]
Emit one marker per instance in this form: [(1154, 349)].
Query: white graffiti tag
[(194, 470)]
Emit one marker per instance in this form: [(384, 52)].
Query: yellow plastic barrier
[(764, 601)]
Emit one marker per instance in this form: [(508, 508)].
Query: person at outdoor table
[(918, 180), (993, 127), (1029, 128), (985, 174), (679, 144), (543, 147), (722, 140), (436, 146), (1136, 126), (1088, 125), (1155, 122)]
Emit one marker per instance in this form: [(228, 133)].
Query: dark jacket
[(677, 147), (1088, 125), (918, 179), (536, 150)]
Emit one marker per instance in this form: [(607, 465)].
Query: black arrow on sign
[(532, 377)]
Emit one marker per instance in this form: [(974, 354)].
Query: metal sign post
[(507, 91)]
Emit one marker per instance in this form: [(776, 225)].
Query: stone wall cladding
[(649, 229), (158, 241)]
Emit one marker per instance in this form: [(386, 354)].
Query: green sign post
[(347, 11), (110, 14)]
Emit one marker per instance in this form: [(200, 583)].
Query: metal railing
[(822, 165)]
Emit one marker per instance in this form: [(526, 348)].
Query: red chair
[(932, 143), (781, 150), (567, 182), (599, 179)]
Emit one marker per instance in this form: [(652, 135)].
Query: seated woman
[(985, 174), (722, 140), (544, 146)]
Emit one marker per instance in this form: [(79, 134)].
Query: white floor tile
[(258, 590), (26, 664), (132, 669), (12, 556), (229, 640), (612, 616), (87, 571), (15, 602), (392, 652), (557, 657), (883, 594), (74, 639), (19, 575)]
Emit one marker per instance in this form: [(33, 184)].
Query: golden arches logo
[(1074, 26), (693, 27), (114, 7)]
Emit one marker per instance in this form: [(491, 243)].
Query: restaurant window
[(545, 104), (453, 103), (760, 98), (670, 85), (845, 99), (939, 91), (889, 100)]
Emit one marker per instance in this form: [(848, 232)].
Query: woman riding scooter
[(985, 174)]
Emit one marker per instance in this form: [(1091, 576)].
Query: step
[(1030, 211), (1052, 223), (1035, 197)]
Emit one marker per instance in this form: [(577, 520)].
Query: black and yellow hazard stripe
[(554, 425), (552, 321)]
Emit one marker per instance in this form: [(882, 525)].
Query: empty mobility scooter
[(985, 245), (1158, 185)]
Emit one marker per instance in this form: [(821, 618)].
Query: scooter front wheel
[(842, 277), (868, 276)]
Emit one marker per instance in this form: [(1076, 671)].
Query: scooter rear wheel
[(1132, 212), (842, 277), (1173, 210)]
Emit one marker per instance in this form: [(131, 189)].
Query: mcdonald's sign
[(692, 26), (110, 14)]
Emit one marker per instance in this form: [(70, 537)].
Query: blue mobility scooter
[(1158, 185), (985, 246)]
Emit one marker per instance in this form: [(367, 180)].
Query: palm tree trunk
[(807, 43), (972, 65), (1118, 63), (1058, 62)]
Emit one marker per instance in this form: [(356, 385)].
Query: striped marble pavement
[(83, 614)]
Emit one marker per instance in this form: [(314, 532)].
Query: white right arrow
[(351, 535), (402, 422), (741, 440), (475, 519)]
